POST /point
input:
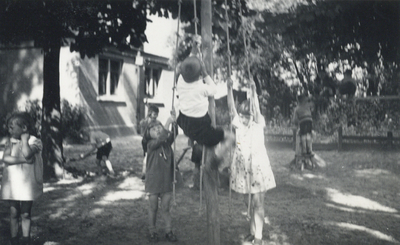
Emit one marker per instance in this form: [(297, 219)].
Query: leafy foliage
[(73, 119)]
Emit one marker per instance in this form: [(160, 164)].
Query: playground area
[(353, 200)]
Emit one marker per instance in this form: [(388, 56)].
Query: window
[(109, 73), (151, 78)]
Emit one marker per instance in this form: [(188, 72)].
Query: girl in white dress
[(251, 170), (22, 181)]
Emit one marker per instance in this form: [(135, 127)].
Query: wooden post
[(340, 132), (294, 139), (210, 177)]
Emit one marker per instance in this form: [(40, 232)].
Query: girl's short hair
[(23, 119), (146, 135), (244, 108)]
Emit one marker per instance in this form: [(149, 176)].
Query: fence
[(388, 141)]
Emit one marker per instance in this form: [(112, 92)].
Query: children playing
[(102, 142), (193, 106), (22, 181), (250, 170), (159, 175), (303, 120)]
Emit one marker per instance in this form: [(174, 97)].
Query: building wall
[(21, 79), (114, 115)]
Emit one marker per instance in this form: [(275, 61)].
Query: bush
[(72, 119)]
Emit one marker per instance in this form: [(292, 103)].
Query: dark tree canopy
[(90, 25)]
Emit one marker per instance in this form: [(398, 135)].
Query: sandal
[(153, 237), (248, 238), (171, 237), (258, 241)]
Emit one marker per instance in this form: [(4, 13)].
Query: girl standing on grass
[(159, 175), (22, 181), (251, 170)]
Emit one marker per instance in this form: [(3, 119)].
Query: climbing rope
[(245, 40), (229, 75), (173, 101)]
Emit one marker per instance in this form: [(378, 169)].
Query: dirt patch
[(353, 200)]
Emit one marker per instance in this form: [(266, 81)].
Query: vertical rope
[(229, 74), (173, 100), (245, 39)]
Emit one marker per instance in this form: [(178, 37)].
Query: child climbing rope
[(194, 86)]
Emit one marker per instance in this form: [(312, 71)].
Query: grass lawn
[(355, 199)]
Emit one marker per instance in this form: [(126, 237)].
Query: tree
[(88, 27), (365, 33)]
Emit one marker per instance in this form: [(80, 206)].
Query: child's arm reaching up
[(211, 86), (255, 107), (231, 101)]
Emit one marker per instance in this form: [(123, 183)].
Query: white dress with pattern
[(251, 170)]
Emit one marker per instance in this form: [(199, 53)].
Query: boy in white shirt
[(193, 106)]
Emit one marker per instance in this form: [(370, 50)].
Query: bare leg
[(108, 165), (14, 217), (26, 209), (165, 211), (153, 208), (257, 215), (144, 164), (99, 169), (303, 143), (26, 224)]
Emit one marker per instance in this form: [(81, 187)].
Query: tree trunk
[(210, 173), (51, 115)]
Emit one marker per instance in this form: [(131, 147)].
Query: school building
[(114, 87)]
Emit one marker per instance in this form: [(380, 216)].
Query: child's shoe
[(171, 237), (248, 238), (258, 241), (14, 241), (25, 241), (153, 237)]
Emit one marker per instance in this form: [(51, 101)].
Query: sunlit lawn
[(353, 200)]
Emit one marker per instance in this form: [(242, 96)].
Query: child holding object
[(159, 176), (194, 86), (101, 142), (250, 170), (22, 181)]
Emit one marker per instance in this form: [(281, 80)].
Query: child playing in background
[(159, 175), (102, 142), (251, 171), (303, 120), (193, 96), (22, 181)]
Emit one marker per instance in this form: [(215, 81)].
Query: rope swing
[(229, 74), (245, 40), (173, 101)]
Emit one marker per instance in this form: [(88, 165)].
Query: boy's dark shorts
[(305, 127), (104, 151), (200, 129)]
